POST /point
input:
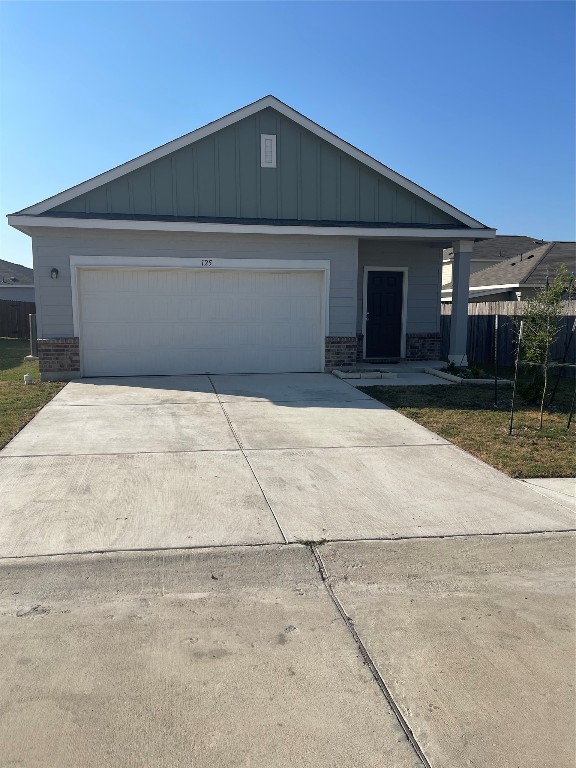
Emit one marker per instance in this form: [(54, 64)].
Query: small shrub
[(477, 372)]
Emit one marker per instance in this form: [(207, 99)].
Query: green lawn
[(19, 402), (465, 415)]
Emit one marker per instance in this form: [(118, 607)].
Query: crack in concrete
[(368, 659), (224, 450), (241, 447), (286, 542)]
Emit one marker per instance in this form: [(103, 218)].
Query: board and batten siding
[(424, 263), (220, 177), (53, 248)]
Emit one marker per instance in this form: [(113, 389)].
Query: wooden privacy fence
[(14, 318), (480, 346)]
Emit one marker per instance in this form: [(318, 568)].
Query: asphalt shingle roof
[(502, 247), (529, 268), (15, 274)]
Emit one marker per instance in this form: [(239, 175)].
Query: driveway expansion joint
[(368, 659), (115, 453), (241, 447), (565, 500)]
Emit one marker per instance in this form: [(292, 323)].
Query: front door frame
[(404, 305)]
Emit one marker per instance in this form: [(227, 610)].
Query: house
[(519, 277), (486, 253), (260, 242), (16, 282)]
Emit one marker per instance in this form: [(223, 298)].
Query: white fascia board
[(482, 290), (493, 288), (24, 223), (231, 119)]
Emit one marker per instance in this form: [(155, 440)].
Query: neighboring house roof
[(526, 270), (15, 275), (108, 197), (500, 247)]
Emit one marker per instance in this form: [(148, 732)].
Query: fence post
[(33, 334), (515, 377)]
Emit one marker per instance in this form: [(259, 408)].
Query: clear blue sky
[(472, 100)]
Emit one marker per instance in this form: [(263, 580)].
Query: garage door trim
[(206, 262)]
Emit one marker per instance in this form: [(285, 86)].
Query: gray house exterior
[(258, 243)]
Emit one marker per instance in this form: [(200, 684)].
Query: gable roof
[(15, 275), (44, 207), (530, 269), (500, 247)]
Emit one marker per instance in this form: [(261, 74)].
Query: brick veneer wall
[(59, 358), (422, 346), (359, 347), (340, 351)]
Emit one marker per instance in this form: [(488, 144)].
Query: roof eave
[(27, 224)]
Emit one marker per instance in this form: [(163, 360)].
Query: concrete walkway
[(166, 462)]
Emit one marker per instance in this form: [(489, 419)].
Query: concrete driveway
[(167, 462), (453, 650)]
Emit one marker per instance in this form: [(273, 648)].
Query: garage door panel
[(154, 321)]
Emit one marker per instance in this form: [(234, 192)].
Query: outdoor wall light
[(54, 273)]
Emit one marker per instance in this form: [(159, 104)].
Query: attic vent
[(267, 150)]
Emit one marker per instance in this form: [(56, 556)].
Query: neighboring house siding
[(8, 293), (504, 296), (424, 264), (220, 177), (475, 266), (53, 248)]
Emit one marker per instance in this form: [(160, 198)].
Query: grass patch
[(19, 403), (465, 415)]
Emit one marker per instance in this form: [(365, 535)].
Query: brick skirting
[(340, 351), (422, 346), (59, 359), (359, 347)]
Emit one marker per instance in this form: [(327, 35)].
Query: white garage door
[(167, 321)]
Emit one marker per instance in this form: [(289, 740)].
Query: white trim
[(404, 304), (22, 222), (475, 293), (486, 287), (234, 117), (176, 262), (493, 287), (13, 285), (264, 162)]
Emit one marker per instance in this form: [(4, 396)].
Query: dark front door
[(384, 313)]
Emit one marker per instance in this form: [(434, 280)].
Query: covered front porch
[(398, 297)]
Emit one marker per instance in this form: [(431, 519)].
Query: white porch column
[(460, 290)]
